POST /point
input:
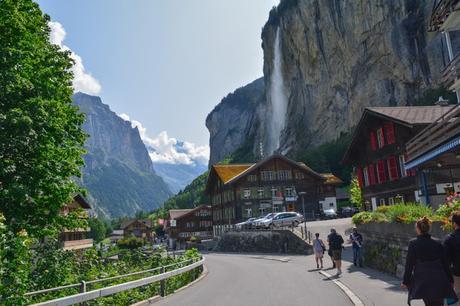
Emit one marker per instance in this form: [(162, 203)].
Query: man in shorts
[(318, 248), (335, 245)]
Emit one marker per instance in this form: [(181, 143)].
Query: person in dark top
[(427, 275), (335, 246), (357, 243), (452, 250)]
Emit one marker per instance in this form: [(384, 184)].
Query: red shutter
[(392, 168), (371, 170), (359, 173), (381, 172), (390, 132), (373, 141)]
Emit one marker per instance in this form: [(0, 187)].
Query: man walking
[(318, 248), (335, 245), (452, 250), (357, 242)]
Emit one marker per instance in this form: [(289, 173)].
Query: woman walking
[(318, 248), (427, 275)]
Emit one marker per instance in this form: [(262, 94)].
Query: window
[(252, 178), (289, 192), (402, 169), (284, 175), (247, 193), (248, 212), (380, 138), (260, 193), (392, 168), (373, 141), (391, 201), (371, 170), (389, 132), (299, 175), (359, 174), (366, 176), (267, 175), (382, 202), (274, 190), (381, 176)]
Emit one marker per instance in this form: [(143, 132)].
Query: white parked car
[(249, 223), (281, 219)]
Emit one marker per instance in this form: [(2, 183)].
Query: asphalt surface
[(235, 280)]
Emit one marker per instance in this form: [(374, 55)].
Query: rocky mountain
[(118, 172), (324, 61)]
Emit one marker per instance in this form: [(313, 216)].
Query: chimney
[(442, 102)]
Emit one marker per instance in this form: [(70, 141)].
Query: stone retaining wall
[(276, 241), (385, 244)]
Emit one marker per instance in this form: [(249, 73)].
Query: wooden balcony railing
[(451, 72), (77, 244), (443, 129), (440, 12)]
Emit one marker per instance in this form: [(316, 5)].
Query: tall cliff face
[(231, 121), (118, 171), (338, 57)]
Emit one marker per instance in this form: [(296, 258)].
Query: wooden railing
[(77, 244), (85, 295), (451, 72), (443, 129), (441, 10)]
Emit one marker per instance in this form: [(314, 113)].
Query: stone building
[(275, 184)]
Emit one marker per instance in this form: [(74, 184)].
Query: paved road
[(235, 280)]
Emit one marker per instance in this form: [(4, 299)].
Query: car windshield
[(268, 216)]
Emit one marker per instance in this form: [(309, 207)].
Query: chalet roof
[(81, 200), (179, 213), (227, 172), (146, 222), (331, 179), (411, 114), (408, 116)]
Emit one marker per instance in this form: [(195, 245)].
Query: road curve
[(235, 280)]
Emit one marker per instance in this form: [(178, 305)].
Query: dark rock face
[(281, 241), (118, 171), (231, 120), (337, 58)]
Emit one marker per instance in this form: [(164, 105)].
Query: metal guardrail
[(97, 293)]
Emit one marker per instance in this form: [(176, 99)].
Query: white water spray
[(277, 98)]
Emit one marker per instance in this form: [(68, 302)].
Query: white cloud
[(165, 149), (83, 81)]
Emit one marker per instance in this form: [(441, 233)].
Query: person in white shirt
[(318, 247)]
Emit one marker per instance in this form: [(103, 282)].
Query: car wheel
[(295, 223), (272, 226)]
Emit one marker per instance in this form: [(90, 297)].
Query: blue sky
[(165, 64)]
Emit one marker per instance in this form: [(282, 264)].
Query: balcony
[(450, 74), (435, 134), (77, 244), (444, 15)]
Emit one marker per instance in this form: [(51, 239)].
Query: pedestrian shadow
[(393, 283)]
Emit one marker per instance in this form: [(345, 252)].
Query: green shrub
[(195, 239), (399, 213), (130, 243)]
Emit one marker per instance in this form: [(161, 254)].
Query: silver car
[(282, 219)]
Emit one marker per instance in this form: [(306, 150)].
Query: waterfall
[(277, 98)]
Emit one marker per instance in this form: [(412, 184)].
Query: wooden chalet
[(377, 152), (275, 184), (182, 224), (74, 239), (435, 154), (140, 228)]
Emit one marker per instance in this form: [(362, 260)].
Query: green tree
[(356, 196), (42, 139), (98, 229)]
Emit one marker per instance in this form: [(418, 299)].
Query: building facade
[(78, 238), (182, 224), (241, 191), (139, 228), (378, 152)]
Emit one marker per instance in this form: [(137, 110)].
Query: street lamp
[(302, 193)]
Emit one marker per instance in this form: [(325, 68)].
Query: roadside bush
[(130, 243), (195, 239), (399, 213)]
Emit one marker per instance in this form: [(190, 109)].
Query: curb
[(284, 259), (353, 297)]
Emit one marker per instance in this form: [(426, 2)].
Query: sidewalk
[(371, 286)]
